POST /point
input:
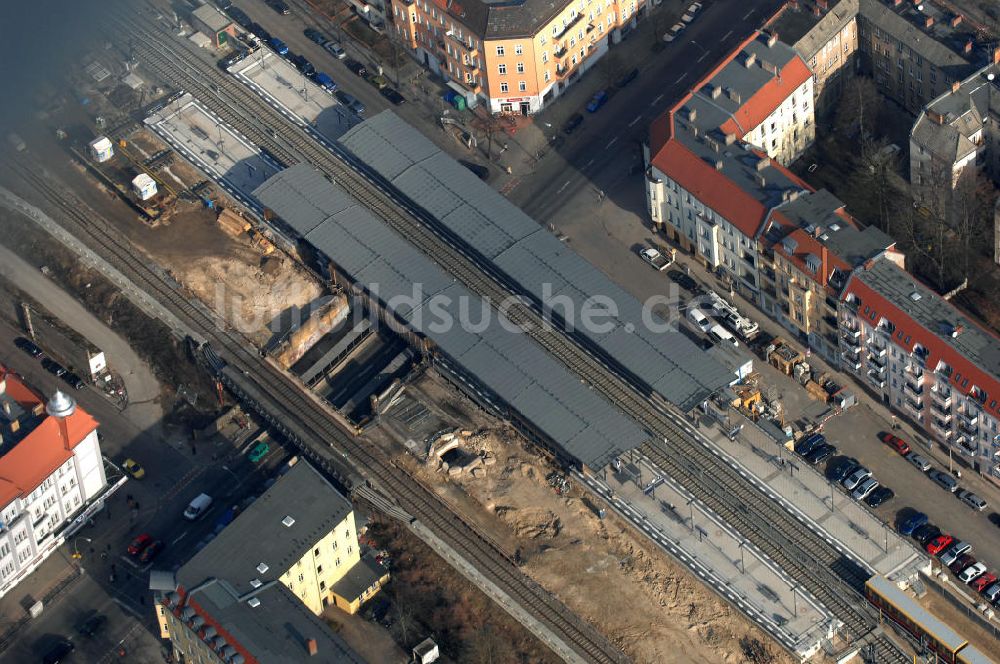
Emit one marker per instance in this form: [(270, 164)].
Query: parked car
[(151, 551), (279, 6), (393, 96), (655, 258), (133, 468), (972, 572), (315, 36), (920, 462), (682, 280), (983, 582), (694, 8), (627, 78), (953, 552), (53, 367), (58, 652), (865, 488), (259, 451), (139, 543), (260, 33), (852, 481), (324, 81), (355, 67), (350, 101), (895, 442), (687, 17), (992, 594), (911, 523), (971, 499), (809, 443), (939, 544), (92, 625), (925, 533), (302, 63), (279, 46), (944, 480), (599, 99), (821, 454), (962, 562), (879, 496), (844, 466), (572, 123), (674, 32), (335, 49), (197, 507), (28, 346), (73, 380), (480, 171)]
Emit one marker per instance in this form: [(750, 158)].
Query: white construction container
[(144, 186), (101, 149)]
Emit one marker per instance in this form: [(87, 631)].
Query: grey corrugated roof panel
[(471, 225), (537, 404)]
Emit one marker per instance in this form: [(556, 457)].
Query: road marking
[(727, 35), (637, 118), (612, 141), (749, 14), (703, 56), (179, 538), (588, 163), (563, 188), (659, 97), (681, 78)]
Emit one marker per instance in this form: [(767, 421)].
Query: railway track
[(819, 565), (327, 441)]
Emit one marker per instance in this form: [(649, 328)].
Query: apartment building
[(514, 56), (925, 359), (51, 474), (914, 51), (955, 131), (709, 188), (807, 251)]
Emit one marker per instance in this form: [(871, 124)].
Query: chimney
[(823, 254), (716, 91), (896, 3), (771, 39), (955, 86), (749, 60), (312, 647), (692, 114), (955, 20), (718, 165), (929, 21), (730, 138), (763, 163), (935, 117), (822, 4), (733, 95), (817, 11), (761, 180), (967, 48)]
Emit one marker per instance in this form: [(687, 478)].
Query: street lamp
[(76, 551)]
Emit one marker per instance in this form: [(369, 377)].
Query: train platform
[(711, 549), (294, 95), (236, 164), (803, 489)]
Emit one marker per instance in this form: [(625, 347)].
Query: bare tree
[(490, 125), (611, 68), (485, 646), (972, 211), (858, 110), (756, 651)]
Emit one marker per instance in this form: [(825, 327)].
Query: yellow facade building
[(517, 56)]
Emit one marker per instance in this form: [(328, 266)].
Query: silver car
[(953, 552), (944, 480), (865, 488), (918, 461), (971, 499), (852, 481)]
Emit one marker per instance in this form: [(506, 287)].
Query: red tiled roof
[(769, 97), (17, 390), (938, 349), (43, 449), (807, 244)]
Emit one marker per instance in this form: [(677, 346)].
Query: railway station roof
[(507, 362), (534, 259)]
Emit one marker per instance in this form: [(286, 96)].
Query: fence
[(961, 604)]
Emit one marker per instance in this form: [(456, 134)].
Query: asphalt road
[(603, 152)]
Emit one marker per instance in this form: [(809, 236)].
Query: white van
[(197, 507), (720, 334), (699, 319)]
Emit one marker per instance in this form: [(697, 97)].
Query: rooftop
[(921, 316), (212, 18), (32, 442), (499, 19), (947, 126), (258, 538), (807, 27), (274, 631), (358, 579), (940, 43), (531, 257)]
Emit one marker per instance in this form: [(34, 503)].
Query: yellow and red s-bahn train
[(932, 633)]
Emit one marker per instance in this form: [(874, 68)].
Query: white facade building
[(51, 471)]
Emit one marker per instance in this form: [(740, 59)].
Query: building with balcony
[(926, 360), (515, 56), (291, 553), (51, 473), (809, 247)]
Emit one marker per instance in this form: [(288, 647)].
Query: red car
[(939, 544), (151, 551), (895, 442), (139, 544), (983, 582)]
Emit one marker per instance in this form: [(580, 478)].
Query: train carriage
[(894, 604), (972, 655)]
